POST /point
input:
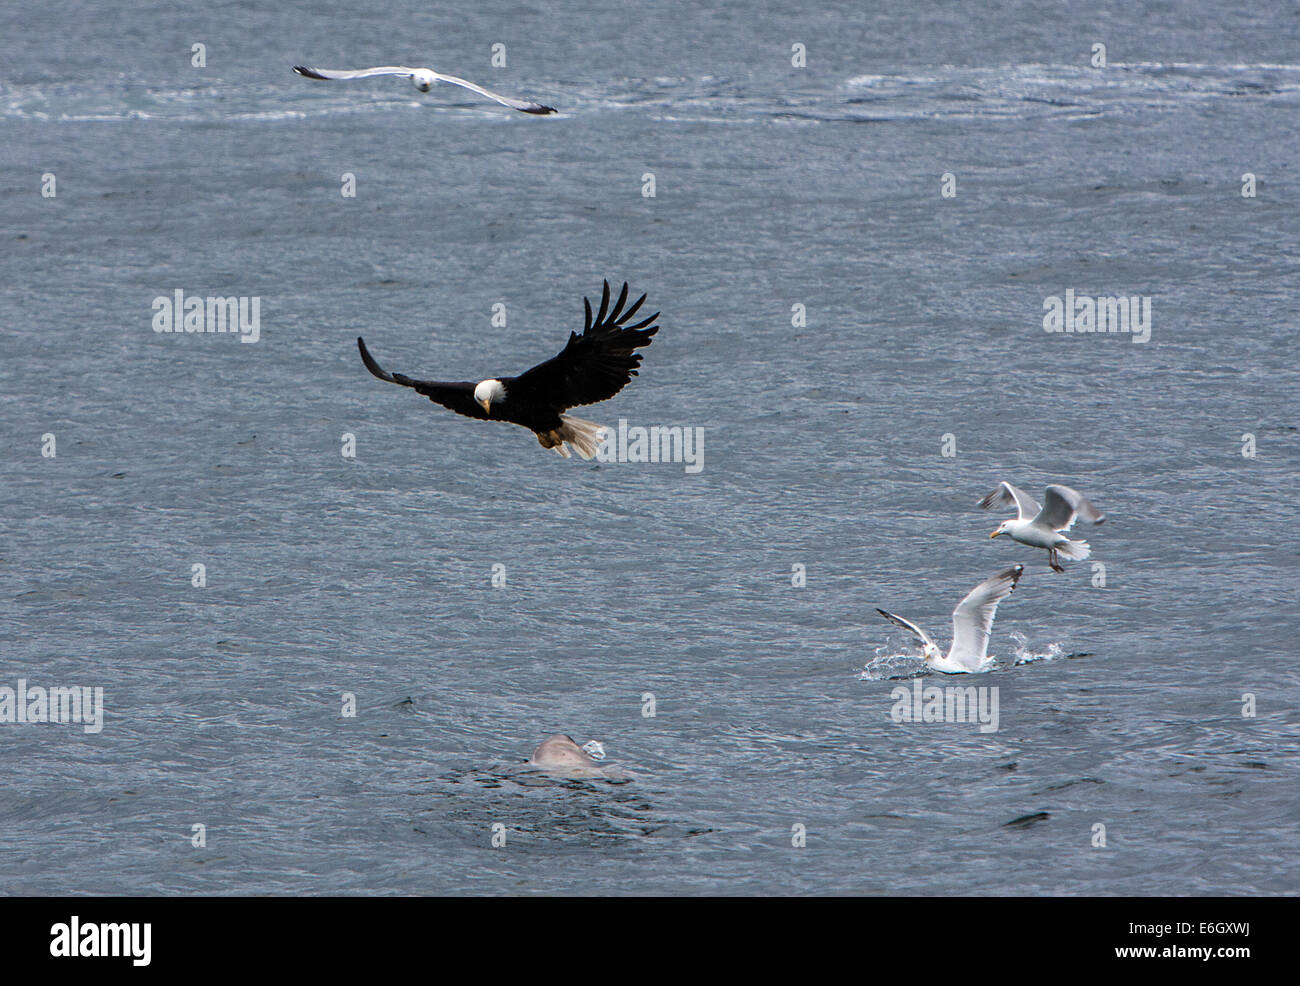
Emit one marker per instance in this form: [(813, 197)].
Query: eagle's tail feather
[(583, 435)]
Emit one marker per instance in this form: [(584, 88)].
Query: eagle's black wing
[(593, 366), (459, 397)]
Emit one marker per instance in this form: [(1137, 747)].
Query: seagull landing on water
[(1042, 527), (972, 621), (423, 79)]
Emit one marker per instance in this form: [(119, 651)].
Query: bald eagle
[(592, 367)]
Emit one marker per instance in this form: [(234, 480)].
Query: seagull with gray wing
[(972, 622), (1043, 527), (423, 79)]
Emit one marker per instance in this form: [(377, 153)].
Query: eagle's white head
[(423, 79), (488, 391)]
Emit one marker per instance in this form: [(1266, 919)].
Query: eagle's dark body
[(592, 367)]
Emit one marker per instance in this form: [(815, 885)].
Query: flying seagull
[(972, 621), (423, 79), (592, 367), (1042, 527)]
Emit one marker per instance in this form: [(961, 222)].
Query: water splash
[(1023, 654), (892, 667)]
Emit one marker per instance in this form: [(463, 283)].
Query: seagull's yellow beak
[(995, 534), (487, 406)]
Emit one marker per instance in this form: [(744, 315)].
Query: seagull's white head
[(487, 392), (931, 653), (423, 79), (1003, 528)]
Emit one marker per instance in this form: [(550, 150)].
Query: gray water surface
[(775, 186)]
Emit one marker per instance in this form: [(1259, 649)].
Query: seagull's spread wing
[(522, 105), (972, 620), (359, 73), (910, 627), (458, 397), (593, 366), (1006, 493), (1061, 505)]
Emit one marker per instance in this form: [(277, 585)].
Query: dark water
[(775, 186)]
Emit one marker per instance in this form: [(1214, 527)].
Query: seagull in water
[(972, 621), (1042, 527), (423, 79)]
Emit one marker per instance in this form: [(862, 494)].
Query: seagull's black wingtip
[(539, 110)]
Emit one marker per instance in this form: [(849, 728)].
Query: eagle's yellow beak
[(487, 406), (995, 534)]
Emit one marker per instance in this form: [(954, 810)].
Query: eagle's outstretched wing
[(459, 397), (593, 366)]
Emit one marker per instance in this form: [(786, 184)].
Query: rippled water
[(775, 186)]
